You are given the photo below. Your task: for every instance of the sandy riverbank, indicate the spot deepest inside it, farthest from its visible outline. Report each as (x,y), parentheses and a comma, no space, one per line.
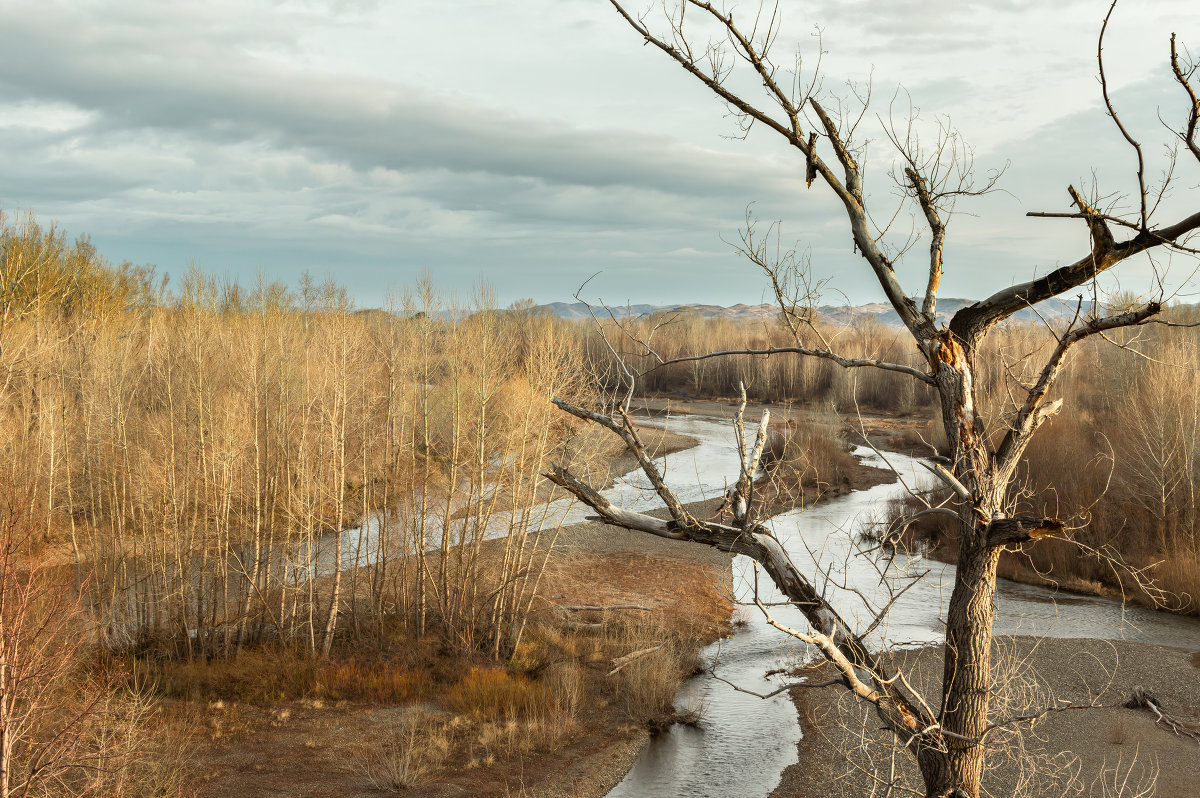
(305,748)
(595,774)
(1076,752)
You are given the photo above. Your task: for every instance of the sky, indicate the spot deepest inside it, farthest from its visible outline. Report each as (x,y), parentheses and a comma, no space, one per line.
(533,144)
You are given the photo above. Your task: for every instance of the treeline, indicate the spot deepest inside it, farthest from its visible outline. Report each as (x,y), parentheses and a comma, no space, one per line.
(778,378)
(1121,463)
(213,462)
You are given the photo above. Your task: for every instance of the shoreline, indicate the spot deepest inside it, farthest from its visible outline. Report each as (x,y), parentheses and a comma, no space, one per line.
(1074,750)
(611,764)
(906,434)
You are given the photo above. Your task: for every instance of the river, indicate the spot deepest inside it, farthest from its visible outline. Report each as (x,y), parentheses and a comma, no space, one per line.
(727,755)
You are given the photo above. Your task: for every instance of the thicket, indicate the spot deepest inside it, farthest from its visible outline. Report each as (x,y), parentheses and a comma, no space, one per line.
(1122,468)
(780,378)
(216,461)
(201,468)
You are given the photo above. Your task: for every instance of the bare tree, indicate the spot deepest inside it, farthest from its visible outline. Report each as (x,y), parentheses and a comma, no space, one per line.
(949,743)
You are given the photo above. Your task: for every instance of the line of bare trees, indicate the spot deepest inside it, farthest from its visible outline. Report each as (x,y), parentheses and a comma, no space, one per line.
(778,378)
(217,462)
(1139,397)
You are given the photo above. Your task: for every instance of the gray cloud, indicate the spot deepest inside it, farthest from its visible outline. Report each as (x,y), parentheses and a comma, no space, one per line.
(208,91)
(249,136)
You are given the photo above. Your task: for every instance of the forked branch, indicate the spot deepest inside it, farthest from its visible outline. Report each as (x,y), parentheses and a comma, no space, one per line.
(1035,410)
(830,634)
(1183,78)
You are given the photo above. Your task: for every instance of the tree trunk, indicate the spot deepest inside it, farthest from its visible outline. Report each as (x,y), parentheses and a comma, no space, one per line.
(967,674)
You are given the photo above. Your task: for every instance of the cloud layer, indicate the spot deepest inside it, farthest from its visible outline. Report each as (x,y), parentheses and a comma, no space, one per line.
(528,146)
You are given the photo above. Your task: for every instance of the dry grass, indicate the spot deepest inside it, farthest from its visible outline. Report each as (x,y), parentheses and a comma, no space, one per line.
(417,745)
(376,683)
(1180,577)
(646,687)
(495,717)
(921,441)
(497,694)
(272,674)
(805,460)
(155,750)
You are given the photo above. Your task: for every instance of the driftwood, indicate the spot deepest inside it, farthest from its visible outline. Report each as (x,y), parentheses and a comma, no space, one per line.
(621,662)
(1143,699)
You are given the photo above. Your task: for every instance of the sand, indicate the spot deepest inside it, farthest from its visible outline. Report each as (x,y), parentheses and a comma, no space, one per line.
(1073,752)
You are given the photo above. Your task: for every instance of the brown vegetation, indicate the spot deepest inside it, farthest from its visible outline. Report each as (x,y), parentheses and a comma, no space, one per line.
(1134,519)
(773,379)
(490,728)
(211,470)
(1124,470)
(204,459)
(259,508)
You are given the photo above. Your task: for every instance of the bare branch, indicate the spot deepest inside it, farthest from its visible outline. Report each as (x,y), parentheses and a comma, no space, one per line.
(628,433)
(1141,161)
(971,322)
(937,241)
(830,633)
(1189,134)
(1033,412)
(803,350)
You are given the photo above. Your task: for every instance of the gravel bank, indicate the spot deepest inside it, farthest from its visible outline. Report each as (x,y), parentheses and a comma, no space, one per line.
(1074,752)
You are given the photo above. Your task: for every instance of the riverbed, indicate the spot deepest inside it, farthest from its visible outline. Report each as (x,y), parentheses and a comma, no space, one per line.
(745,742)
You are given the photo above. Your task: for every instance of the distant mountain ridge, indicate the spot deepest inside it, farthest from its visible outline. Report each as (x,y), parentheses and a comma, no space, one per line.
(832,314)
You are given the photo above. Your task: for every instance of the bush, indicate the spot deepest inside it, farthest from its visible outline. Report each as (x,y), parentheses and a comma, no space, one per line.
(498,694)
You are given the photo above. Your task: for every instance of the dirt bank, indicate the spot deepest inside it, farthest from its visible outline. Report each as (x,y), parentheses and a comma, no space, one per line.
(315,748)
(1076,752)
(308,748)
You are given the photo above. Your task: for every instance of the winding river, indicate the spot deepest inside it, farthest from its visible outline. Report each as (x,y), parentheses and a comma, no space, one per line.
(727,755)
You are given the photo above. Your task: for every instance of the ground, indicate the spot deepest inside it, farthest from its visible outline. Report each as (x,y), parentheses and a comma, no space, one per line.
(1077,751)
(313,748)
(307,748)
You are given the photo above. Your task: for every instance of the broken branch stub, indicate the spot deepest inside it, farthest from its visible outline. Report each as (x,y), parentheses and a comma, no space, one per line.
(860,670)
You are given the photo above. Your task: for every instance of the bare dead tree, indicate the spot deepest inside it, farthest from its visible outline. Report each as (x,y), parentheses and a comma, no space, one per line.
(948,744)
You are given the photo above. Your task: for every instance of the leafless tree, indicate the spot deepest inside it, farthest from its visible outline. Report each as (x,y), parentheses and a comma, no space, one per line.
(711,44)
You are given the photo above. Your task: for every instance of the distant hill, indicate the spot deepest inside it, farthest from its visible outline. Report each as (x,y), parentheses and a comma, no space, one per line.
(578,310)
(833,314)
(842,315)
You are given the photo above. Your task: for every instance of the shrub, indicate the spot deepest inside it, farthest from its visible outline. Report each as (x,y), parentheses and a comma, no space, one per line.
(498,694)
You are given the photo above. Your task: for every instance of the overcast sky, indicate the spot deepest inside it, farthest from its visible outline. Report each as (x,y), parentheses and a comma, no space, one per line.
(532,143)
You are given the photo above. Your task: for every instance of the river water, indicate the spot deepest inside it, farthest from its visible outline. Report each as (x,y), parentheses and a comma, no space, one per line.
(746,742)
(694,475)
